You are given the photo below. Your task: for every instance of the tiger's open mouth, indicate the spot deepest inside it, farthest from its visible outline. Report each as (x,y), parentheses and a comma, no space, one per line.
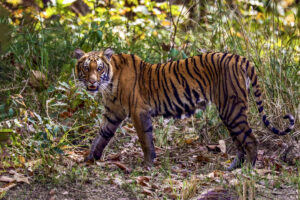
(92,88)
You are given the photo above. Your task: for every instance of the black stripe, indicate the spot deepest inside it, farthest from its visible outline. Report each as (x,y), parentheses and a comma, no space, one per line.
(234,134)
(238,116)
(236,79)
(187,91)
(254,82)
(287,130)
(204,71)
(115,62)
(257,93)
(114,122)
(247,65)
(196,70)
(202,90)
(275,130)
(213,63)
(170,66)
(206,65)
(167,97)
(196,95)
(167,113)
(176,95)
(225,87)
(107,133)
(266,122)
(252,72)
(149,129)
(135,80)
(247,134)
(157,70)
(208,78)
(238,123)
(176,73)
(165,77)
(259,103)
(187,68)
(230,79)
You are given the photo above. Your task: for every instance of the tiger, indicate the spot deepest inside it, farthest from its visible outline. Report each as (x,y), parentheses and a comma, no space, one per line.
(132,88)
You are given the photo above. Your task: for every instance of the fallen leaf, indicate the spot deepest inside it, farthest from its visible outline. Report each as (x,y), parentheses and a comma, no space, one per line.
(115,156)
(191,140)
(121,166)
(128,129)
(52,197)
(218,193)
(168,190)
(118,181)
(21,178)
(147,192)
(154,186)
(7,187)
(222,146)
(31,165)
(263,172)
(215,174)
(37,79)
(143,181)
(234,182)
(52,192)
(213,148)
(22,159)
(202,158)
(6,179)
(172,196)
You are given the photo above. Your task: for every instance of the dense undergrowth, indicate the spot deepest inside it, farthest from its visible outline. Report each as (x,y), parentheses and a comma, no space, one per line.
(47,115)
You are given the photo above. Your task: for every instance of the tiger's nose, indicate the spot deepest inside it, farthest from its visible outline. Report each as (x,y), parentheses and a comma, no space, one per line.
(92,81)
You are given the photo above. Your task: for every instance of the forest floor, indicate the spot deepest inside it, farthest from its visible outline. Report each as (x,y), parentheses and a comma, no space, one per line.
(192,170)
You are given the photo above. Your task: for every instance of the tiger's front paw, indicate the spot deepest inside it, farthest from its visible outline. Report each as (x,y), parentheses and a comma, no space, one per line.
(92,157)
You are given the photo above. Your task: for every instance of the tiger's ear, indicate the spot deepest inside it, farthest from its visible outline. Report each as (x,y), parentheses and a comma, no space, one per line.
(78,53)
(108,53)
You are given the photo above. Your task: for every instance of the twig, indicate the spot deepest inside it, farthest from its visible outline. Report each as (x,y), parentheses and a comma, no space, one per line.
(82,190)
(24,87)
(265,196)
(7,89)
(172,36)
(47,109)
(284,193)
(188,154)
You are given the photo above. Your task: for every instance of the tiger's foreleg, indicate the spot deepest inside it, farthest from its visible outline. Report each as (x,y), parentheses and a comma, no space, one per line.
(143,125)
(108,128)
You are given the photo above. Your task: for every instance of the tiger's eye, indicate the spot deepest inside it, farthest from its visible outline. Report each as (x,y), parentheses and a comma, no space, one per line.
(100,67)
(86,68)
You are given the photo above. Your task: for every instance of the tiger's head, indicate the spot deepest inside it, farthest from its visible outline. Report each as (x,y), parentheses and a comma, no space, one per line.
(93,69)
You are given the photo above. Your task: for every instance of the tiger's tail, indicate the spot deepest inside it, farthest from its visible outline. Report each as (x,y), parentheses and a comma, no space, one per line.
(250,69)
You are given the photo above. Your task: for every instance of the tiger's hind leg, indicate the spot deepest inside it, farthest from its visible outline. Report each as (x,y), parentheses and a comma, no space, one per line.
(237,123)
(240,157)
(143,125)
